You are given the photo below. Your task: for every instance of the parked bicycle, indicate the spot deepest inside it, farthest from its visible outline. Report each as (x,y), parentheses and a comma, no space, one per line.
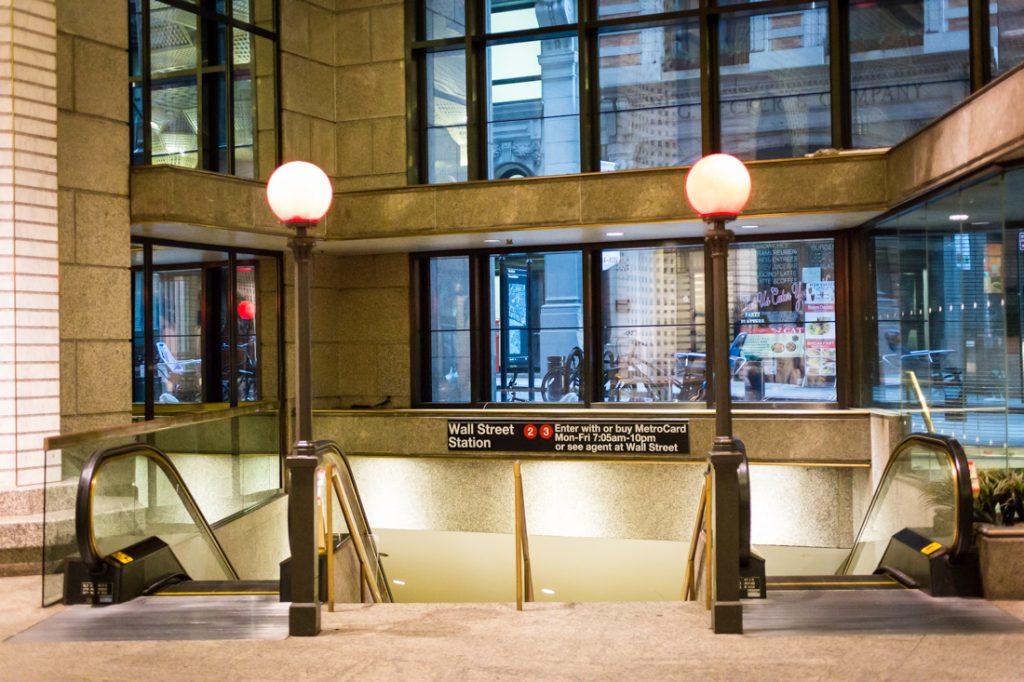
(629,377)
(563,379)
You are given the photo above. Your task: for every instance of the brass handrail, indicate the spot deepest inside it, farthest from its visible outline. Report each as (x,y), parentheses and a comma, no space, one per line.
(371,569)
(524,573)
(701,522)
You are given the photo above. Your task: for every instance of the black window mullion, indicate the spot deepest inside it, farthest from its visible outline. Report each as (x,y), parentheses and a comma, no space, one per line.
(147,112)
(416,97)
(710,115)
(480,328)
(476,94)
(229,97)
(839,72)
(981,47)
(231,320)
(588,87)
(147,332)
(593,381)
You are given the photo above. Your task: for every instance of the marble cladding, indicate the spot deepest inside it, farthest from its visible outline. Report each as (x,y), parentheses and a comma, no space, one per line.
(257,542)
(653,501)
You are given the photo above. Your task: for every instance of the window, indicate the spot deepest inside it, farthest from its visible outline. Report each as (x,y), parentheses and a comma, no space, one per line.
(202,85)
(205,322)
(531,88)
(519,332)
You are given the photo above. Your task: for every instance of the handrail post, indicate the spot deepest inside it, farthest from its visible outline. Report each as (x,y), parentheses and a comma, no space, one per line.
(920,398)
(519,536)
(329,534)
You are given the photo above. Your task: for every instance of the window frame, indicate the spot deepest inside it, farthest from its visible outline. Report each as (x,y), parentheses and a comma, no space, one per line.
(588,28)
(480,301)
(206,15)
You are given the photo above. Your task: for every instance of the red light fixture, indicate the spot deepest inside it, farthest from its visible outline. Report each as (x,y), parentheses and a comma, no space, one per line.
(247,310)
(718,187)
(299,192)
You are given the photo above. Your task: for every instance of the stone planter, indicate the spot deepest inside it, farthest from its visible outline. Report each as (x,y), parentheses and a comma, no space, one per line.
(1001,550)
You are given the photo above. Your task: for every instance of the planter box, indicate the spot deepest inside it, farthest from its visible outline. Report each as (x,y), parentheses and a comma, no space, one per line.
(1001,550)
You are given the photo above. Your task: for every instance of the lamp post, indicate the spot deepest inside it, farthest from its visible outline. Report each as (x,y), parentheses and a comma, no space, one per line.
(300,194)
(718,187)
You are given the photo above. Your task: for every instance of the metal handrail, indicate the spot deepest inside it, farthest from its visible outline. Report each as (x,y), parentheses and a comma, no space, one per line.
(84,530)
(524,572)
(963,499)
(334,461)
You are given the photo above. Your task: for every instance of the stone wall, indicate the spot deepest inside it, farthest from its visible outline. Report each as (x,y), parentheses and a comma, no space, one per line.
(94,224)
(343,89)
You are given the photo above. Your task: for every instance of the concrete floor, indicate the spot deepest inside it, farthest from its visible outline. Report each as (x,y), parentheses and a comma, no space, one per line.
(637,641)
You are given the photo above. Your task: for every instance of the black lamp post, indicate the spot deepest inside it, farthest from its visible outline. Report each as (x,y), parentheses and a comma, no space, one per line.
(300,195)
(718,187)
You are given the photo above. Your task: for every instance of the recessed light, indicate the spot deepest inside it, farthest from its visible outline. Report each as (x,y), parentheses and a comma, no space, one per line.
(981,222)
(615,234)
(750,227)
(547,590)
(492,241)
(959,217)
(398,582)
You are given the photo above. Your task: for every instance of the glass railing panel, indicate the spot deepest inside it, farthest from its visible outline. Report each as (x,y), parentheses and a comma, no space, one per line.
(230,460)
(919,490)
(133,498)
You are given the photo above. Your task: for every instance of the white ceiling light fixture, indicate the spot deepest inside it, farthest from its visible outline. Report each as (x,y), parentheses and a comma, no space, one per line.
(959,217)
(614,234)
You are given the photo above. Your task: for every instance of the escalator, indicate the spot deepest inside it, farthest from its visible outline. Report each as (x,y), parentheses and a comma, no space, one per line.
(140,532)
(916,533)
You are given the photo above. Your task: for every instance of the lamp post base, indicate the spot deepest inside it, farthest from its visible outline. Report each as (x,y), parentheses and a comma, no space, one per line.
(304,620)
(725,459)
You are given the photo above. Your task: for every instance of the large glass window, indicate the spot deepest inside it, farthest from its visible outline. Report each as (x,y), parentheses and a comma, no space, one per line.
(652,323)
(649,325)
(650,96)
(200,324)
(202,89)
(774,83)
(909,63)
(948,314)
(654,83)
(537,326)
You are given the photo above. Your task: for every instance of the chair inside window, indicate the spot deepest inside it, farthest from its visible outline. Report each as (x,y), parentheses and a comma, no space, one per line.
(182,379)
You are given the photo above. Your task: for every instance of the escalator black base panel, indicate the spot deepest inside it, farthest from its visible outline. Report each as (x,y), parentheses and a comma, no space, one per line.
(792,583)
(753,584)
(126,574)
(202,588)
(917,559)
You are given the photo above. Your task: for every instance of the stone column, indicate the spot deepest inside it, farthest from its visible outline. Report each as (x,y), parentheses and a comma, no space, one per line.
(29,318)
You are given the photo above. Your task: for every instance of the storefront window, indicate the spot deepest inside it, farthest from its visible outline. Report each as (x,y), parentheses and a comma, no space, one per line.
(948,315)
(537,327)
(783,307)
(652,316)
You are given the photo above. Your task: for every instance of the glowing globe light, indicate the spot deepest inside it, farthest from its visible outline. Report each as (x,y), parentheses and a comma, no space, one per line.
(299,192)
(718,186)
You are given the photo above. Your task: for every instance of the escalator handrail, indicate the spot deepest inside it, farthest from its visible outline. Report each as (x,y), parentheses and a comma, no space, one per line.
(84,531)
(325,449)
(963,502)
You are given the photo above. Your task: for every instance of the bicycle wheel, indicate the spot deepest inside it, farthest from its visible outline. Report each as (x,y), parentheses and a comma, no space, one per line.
(551,387)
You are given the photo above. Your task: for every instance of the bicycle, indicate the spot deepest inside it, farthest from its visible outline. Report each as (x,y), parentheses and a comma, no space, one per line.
(630,378)
(563,376)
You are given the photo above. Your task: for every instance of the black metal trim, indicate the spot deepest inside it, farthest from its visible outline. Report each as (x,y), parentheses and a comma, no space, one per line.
(149,389)
(839,73)
(980,46)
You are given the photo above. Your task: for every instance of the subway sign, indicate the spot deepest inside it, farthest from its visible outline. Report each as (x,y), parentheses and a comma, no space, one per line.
(571,436)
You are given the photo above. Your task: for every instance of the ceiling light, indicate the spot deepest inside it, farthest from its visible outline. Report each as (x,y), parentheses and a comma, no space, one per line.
(398,582)
(615,234)
(492,241)
(959,217)
(547,590)
(985,222)
(750,227)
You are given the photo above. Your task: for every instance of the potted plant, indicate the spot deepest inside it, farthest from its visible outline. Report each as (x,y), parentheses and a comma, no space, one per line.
(999,514)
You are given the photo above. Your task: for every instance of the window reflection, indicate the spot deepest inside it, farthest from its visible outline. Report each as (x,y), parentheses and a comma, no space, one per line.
(909,63)
(533,108)
(775,98)
(1007,22)
(449,330)
(447,154)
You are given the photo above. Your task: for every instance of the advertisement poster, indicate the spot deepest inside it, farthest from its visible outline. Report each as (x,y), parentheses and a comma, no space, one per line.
(772,343)
(820,349)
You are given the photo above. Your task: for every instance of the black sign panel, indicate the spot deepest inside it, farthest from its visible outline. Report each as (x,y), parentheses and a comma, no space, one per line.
(567,436)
